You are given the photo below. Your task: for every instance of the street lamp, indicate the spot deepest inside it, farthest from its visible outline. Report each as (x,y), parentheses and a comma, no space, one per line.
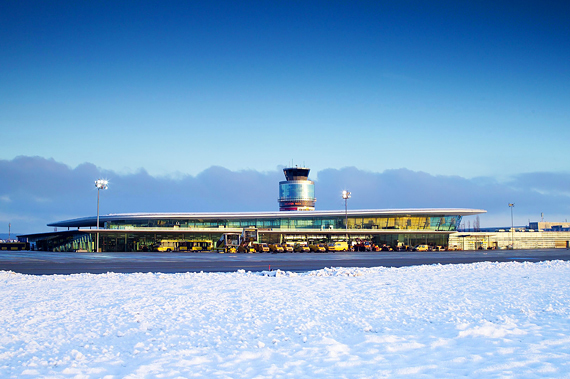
(100,184)
(512,205)
(346,196)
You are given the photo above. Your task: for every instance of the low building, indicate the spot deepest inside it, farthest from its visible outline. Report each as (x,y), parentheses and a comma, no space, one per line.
(505,239)
(142,231)
(549,226)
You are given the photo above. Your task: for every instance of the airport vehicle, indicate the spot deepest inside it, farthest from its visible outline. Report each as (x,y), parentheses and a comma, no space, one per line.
(262,247)
(14,245)
(244,242)
(246,247)
(228,249)
(276,248)
(363,246)
(167,245)
(301,248)
(287,248)
(199,245)
(338,246)
(318,248)
(421,248)
(228,242)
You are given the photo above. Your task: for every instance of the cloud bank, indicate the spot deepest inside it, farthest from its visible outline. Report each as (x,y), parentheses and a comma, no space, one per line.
(35,191)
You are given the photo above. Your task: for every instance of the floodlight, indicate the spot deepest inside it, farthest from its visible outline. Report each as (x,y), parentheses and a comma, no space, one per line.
(100,184)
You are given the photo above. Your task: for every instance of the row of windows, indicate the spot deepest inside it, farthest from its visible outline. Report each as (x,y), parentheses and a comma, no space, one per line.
(443,223)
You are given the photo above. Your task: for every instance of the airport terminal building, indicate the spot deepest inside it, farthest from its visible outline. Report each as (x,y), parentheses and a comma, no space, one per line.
(297,221)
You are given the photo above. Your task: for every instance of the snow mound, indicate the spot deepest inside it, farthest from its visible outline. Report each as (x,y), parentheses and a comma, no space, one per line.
(439,321)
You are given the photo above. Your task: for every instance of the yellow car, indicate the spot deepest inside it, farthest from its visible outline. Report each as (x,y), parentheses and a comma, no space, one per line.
(338,246)
(421,248)
(300,248)
(262,248)
(276,248)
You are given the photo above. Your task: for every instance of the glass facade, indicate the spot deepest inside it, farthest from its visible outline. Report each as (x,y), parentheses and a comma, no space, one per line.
(124,241)
(142,233)
(297,190)
(432,223)
(296,195)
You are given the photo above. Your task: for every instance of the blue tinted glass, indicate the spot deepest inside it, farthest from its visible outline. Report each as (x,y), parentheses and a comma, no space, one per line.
(297,191)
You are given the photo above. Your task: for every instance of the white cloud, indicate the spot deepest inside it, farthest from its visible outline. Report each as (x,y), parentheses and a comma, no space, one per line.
(72,193)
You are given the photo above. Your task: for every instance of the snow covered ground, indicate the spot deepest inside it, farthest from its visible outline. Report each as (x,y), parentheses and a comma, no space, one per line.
(483,320)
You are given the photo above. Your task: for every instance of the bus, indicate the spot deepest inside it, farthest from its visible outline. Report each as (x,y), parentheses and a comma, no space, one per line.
(183,245)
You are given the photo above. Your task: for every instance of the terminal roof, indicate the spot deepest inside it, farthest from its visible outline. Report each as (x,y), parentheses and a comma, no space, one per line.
(433,212)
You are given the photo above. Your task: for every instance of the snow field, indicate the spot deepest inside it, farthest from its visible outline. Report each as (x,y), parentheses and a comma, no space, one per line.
(482,320)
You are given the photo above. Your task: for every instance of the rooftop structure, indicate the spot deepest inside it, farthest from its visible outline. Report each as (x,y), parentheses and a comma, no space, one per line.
(297,192)
(554,226)
(374,219)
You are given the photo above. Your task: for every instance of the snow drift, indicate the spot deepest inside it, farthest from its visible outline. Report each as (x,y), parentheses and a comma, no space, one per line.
(477,320)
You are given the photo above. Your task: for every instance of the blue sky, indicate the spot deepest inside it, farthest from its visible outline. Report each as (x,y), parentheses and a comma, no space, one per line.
(450,89)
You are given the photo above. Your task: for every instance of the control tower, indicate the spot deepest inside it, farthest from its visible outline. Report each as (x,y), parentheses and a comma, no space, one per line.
(297,193)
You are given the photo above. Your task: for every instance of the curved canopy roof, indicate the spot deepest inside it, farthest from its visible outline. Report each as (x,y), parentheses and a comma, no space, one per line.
(432,212)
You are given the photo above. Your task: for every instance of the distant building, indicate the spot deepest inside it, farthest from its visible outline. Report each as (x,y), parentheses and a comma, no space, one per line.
(506,239)
(538,235)
(553,226)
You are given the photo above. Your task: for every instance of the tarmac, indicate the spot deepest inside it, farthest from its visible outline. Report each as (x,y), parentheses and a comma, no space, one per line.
(49,263)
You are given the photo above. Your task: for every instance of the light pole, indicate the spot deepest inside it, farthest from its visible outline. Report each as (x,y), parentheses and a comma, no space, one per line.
(346,196)
(512,205)
(99,184)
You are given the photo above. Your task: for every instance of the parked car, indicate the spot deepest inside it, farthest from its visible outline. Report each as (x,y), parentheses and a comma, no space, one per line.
(338,246)
(276,248)
(262,248)
(318,248)
(246,249)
